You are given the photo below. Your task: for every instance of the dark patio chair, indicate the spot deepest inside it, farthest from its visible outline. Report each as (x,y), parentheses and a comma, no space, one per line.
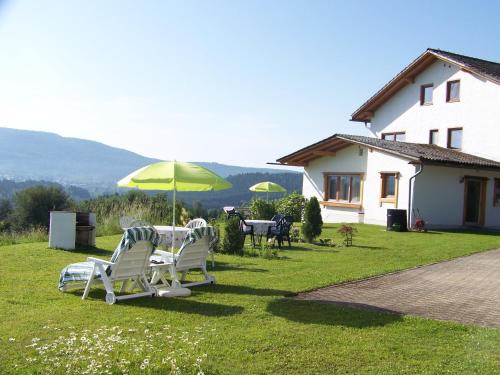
(281,231)
(245,228)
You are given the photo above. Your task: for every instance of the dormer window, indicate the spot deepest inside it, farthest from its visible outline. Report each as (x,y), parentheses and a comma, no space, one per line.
(455,138)
(453,91)
(396,136)
(426,94)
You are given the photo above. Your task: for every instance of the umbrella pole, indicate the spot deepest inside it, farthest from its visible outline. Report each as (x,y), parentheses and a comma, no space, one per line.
(173,220)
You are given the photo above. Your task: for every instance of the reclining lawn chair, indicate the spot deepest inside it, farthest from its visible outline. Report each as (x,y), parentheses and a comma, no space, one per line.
(192,255)
(129,262)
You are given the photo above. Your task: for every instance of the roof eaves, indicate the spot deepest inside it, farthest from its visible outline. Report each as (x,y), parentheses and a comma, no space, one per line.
(303,149)
(457,164)
(394,80)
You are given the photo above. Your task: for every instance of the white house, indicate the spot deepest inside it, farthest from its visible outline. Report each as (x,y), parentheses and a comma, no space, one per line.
(435,148)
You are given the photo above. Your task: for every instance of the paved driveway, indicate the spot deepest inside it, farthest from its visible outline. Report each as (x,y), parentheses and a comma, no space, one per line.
(465,290)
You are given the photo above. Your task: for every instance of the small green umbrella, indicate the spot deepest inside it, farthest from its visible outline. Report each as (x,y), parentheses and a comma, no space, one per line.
(174,176)
(267,187)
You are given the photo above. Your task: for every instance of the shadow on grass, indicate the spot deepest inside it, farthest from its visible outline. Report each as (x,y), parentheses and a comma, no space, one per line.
(179,304)
(220,266)
(240,289)
(347,315)
(89,251)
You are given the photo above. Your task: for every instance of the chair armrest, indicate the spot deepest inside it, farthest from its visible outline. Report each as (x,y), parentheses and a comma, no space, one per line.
(97,260)
(161,252)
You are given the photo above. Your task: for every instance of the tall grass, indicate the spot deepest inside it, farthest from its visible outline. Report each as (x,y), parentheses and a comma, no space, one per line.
(37,234)
(152,209)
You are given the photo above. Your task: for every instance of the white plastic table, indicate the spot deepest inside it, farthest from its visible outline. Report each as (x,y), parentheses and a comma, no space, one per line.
(166,232)
(260,228)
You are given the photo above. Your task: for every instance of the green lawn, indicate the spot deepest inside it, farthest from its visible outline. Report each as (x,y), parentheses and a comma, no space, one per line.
(245,323)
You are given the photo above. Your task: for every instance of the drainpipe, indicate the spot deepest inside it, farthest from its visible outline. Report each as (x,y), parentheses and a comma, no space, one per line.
(410,190)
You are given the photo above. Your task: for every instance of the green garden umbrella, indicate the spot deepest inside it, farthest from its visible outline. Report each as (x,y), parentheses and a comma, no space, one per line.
(175,176)
(267,187)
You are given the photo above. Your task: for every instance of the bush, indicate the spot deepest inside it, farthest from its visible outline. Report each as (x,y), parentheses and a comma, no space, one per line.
(311,226)
(261,209)
(32,206)
(292,204)
(233,240)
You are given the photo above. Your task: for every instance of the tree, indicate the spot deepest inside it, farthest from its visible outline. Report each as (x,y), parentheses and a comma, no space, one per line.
(292,204)
(311,226)
(32,205)
(233,240)
(261,209)
(5,208)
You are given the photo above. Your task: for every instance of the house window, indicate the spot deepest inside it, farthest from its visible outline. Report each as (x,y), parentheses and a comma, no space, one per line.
(455,138)
(396,136)
(343,188)
(433,137)
(496,190)
(453,91)
(389,187)
(426,94)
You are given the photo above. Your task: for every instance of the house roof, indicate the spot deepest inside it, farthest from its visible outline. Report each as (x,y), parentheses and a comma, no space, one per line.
(413,152)
(487,69)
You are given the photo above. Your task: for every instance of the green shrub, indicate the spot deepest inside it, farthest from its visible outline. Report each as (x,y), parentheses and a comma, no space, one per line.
(311,226)
(32,206)
(292,204)
(261,209)
(233,240)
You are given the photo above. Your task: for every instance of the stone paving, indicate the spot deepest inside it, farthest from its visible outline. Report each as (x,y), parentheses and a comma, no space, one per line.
(465,290)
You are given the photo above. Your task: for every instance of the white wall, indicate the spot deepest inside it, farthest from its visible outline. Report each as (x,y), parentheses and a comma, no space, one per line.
(371,163)
(477,112)
(439,194)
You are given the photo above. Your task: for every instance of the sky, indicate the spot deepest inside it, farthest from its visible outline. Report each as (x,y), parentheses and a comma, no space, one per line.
(234,82)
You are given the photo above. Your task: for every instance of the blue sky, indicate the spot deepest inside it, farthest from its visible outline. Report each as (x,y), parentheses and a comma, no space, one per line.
(236,82)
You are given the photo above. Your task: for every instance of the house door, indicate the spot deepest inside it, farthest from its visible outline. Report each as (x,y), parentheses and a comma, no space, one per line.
(475,189)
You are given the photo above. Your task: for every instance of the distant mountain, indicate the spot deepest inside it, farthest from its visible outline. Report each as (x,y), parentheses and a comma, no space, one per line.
(35,155)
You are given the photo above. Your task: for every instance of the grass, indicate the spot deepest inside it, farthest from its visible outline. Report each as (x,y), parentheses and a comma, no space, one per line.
(245,323)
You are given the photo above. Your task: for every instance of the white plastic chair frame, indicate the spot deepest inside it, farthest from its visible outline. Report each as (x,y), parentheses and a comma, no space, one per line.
(130,222)
(200,222)
(192,256)
(131,265)
(196,223)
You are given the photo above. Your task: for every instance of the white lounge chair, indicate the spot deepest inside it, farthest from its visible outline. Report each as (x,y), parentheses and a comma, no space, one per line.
(192,255)
(129,262)
(196,223)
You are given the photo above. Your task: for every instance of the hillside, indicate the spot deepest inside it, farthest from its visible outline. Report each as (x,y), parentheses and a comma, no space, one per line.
(8,188)
(34,155)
